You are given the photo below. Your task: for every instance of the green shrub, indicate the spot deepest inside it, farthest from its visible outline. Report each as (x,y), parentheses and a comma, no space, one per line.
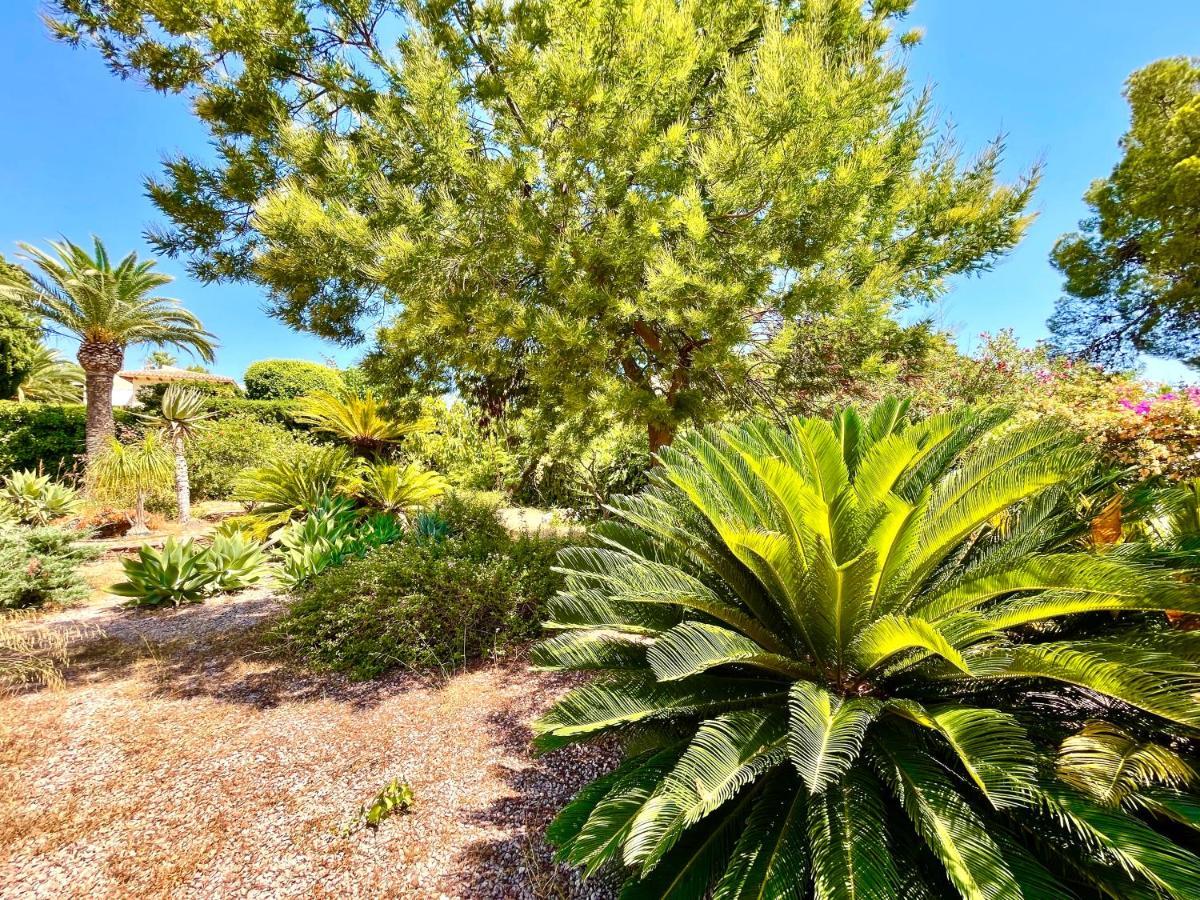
(176,574)
(35,499)
(470,457)
(286,379)
(289,487)
(424,603)
(40,566)
(269,412)
(228,446)
(45,437)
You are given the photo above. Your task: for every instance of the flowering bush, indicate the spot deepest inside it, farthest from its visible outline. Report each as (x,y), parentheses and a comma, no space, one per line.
(1150,428)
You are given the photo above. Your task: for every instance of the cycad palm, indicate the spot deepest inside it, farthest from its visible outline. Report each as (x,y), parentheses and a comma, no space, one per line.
(106,308)
(181,416)
(362,421)
(844,657)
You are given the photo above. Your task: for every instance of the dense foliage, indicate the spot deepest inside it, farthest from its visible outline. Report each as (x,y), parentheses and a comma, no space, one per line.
(426,602)
(622,192)
(287,379)
(19,340)
(1133,270)
(45,437)
(864,658)
(40,566)
(231,444)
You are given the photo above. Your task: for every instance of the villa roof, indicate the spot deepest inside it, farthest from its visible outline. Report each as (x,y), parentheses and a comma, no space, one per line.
(170,373)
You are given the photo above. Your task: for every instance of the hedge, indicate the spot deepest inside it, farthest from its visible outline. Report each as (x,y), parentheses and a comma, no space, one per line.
(286,379)
(269,412)
(46,436)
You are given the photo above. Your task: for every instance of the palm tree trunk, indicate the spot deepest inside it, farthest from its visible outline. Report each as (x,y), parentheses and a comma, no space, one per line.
(101,361)
(183,487)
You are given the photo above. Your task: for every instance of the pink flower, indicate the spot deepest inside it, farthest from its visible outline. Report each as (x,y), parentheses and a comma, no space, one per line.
(1142,408)
(1043,376)
(1127,403)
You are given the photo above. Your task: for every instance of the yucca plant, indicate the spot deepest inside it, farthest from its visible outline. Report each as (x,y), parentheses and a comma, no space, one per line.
(844,657)
(362,421)
(181,417)
(291,487)
(178,573)
(35,499)
(236,559)
(399,489)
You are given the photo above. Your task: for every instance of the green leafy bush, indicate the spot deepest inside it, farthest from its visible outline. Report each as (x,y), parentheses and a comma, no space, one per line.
(424,603)
(862,658)
(45,437)
(150,396)
(40,566)
(470,457)
(286,379)
(35,499)
(178,573)
(228,446)
(281,413)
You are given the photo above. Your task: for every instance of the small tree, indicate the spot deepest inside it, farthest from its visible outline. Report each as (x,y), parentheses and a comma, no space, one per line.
(181,417)
(136,469)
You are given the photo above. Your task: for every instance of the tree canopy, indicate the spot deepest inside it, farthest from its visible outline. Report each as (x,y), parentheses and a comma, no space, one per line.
(19,339)
(626,193)
(1133,269)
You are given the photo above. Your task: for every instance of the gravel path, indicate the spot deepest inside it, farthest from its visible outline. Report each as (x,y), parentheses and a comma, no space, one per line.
(182,762)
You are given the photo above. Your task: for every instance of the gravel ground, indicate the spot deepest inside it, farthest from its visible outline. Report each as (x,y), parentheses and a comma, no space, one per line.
(182,762)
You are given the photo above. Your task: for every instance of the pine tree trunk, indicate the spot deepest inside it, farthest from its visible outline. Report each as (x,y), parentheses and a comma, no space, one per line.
(101,361)
(183,487)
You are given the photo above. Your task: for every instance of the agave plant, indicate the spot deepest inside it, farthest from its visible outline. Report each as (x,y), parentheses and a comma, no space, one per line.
(323,538)
(236,560)
(399,489)
(289,488)
(362,421)
(178,573)
(844,658)
(35,500)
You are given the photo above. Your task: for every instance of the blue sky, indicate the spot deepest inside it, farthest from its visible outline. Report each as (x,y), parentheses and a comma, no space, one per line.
(1046,73)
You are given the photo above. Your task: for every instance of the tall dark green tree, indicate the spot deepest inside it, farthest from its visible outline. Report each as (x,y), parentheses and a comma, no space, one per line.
(1133,270)
(626,194)
(19,339)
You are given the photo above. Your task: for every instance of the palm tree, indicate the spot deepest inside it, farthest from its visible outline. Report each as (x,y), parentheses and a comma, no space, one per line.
(137,469)
(106,308)
(860,659)
(181,416)
(362,421)
(51,379)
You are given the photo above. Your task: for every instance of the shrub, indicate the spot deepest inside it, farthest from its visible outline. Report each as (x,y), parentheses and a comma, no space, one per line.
(461,589)
(281,413)
(399,489)
(287,488)
(40,566)
(45,437)
(228,446)
(286,379)
(35,499)
(178,573)
(470,457)
(150,396)
(848,659)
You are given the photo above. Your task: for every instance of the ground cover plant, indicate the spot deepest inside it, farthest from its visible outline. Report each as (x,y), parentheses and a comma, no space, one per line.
(40,566)
(456,589)
(866,658)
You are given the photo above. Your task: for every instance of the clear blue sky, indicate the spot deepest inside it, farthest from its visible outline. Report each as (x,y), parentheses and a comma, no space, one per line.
(1047,73)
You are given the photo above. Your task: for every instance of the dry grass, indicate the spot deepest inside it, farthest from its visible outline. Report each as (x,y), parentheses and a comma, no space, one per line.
(180,761)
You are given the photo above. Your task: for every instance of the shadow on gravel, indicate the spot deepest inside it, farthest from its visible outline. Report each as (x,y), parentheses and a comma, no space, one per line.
(521,865)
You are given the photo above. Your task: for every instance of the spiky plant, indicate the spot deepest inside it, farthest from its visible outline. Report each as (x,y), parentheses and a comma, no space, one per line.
(178,573)
(844,656)
(400,489)
(181,417)
(106,307)
(236,559)
(35,499)
(290,487)
(51,379)
(132,469)
(362,421)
